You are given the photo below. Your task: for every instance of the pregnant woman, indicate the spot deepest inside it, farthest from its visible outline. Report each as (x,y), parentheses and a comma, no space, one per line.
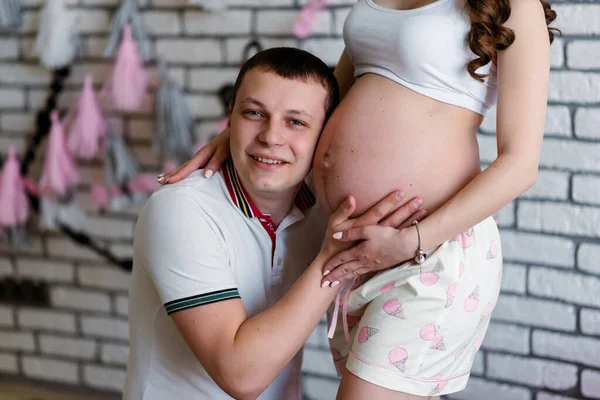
(417,77)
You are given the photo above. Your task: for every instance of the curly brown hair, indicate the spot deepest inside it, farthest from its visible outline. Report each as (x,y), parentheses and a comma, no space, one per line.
(487,35)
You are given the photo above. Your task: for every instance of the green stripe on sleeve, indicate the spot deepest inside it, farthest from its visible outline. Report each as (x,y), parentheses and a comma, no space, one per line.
(201,299)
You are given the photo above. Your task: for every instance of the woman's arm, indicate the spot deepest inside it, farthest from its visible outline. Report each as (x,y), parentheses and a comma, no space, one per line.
(523,74)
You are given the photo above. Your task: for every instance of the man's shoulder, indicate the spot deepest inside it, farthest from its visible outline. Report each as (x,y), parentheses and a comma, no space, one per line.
(196,189)
(188,200)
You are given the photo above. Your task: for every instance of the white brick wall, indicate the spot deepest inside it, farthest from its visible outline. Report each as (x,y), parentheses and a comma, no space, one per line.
(544,341)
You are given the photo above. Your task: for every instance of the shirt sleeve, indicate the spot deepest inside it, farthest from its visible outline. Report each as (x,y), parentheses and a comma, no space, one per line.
(182,249)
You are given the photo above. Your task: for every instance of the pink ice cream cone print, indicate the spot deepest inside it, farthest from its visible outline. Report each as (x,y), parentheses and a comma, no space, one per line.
(438,343)
(464,239)
(472,302)
(430,333)
(353,320)
(450,293)
(394,308)
(430,278)
(461,268)
(485,312)
(476,348)
(387,287)
(338,361)
(493,250)
(440,386)
(365,333)
(398,358)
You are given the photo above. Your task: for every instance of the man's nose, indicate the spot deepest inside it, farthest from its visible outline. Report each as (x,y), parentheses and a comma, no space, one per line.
(272,134)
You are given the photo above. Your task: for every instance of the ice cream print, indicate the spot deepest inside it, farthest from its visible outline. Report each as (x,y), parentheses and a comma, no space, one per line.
(492,251)
(431,334)
(353,320)
(398,358)
(450,293)
(486,311)
(338,360)
(365,333)
(440,386)
(387,287)
(464,239)
(472,302)
(430,278)
(432,344)
(394,308)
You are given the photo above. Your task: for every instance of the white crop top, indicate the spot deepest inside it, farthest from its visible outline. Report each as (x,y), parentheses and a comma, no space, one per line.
(424,49)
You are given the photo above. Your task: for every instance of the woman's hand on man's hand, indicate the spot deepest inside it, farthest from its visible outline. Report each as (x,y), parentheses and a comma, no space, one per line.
(370,242)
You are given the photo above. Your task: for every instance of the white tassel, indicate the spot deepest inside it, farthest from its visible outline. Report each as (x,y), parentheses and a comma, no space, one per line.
(57,40)
(210,5)
(10,13)
(128,14)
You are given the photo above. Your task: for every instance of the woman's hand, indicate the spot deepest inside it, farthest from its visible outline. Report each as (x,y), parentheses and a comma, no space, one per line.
(210,157)
(387,213)
(380,247)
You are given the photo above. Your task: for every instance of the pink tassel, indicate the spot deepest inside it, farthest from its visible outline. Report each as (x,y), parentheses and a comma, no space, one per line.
(305,22)
(143,183)
(87,126)
(126,87)
(99,195)
(13,198)
(169,166)
(59,170)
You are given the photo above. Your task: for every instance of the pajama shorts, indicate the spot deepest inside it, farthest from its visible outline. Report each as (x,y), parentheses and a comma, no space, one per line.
(417,328)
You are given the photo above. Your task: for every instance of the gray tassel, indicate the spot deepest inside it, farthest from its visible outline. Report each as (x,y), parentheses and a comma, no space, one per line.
(10,13)
(127,14)
(63,210)
(71,215)
(173,120)
(119,168)
(48,214)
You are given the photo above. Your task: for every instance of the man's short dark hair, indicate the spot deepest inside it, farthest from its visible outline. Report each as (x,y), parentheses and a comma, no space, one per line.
(296,64)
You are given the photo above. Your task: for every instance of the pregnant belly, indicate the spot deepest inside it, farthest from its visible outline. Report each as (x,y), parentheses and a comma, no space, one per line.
(384,137)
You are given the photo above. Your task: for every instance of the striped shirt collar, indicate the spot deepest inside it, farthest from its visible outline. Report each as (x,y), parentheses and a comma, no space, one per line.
(305,199)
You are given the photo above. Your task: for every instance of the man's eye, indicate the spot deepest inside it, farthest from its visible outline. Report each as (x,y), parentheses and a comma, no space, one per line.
(296,122)
(252,113)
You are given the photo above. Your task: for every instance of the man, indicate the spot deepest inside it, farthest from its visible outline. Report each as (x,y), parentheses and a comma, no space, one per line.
(221,298)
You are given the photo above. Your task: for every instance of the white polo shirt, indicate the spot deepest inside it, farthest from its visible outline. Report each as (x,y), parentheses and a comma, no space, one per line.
(197,242)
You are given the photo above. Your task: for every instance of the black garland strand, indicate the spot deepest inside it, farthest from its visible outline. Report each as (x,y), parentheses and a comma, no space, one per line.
(42,129)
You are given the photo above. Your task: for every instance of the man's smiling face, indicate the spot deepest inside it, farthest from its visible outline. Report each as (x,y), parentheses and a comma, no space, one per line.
(275,124)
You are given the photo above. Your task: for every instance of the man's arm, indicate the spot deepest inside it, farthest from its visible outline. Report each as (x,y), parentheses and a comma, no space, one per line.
(243,356)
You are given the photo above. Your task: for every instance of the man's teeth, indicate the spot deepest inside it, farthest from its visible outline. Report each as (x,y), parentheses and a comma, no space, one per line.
(267,160)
